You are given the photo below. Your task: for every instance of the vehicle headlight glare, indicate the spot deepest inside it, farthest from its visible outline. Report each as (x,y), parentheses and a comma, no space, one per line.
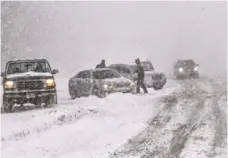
(105,86)
(181,69)
(50,82)
(9,84)
(196,68)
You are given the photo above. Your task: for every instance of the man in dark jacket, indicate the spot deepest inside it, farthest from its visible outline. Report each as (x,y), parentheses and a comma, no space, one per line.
(101,65)
(140,79)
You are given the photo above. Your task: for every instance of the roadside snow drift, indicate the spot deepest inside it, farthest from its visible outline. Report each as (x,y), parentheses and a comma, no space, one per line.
(82,128)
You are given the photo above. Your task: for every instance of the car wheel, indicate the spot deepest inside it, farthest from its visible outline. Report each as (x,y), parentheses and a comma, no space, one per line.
(99,93)
(149,86)
(157,88)
(73,94)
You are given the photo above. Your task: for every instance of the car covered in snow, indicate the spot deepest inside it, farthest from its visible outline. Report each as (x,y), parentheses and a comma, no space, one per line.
(183,69)
(99,82)
(125,70)
(152,79)
(28,81)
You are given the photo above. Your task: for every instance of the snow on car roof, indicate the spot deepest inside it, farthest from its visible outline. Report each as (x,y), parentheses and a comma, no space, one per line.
(27,59)
(126,65)
(102,69)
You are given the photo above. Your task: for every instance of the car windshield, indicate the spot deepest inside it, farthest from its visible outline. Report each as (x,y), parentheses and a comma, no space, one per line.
(105,74)
(27,66)
(186,63)
(121,69)
(147,66)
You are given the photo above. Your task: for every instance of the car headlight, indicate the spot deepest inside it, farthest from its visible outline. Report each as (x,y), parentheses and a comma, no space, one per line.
(9,84)
(132,84)
(50,82)
(181,69)
(105,86)
(196,69)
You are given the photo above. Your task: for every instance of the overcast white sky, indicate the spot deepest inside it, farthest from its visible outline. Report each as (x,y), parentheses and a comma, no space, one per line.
(77,35)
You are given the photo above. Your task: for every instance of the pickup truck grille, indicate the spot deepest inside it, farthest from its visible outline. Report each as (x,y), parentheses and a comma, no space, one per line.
(29,85)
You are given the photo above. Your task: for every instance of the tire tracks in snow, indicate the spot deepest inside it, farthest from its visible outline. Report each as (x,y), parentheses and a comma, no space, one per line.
(220,122)
(166,135)
(157,122)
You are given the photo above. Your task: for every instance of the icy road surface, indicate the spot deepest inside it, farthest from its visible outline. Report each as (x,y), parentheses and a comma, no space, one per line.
(185,119)
(192,124)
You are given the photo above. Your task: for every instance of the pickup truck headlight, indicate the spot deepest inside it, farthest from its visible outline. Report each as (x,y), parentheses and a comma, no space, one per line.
(196,69)
(181,69)
(50,82)
(9,84)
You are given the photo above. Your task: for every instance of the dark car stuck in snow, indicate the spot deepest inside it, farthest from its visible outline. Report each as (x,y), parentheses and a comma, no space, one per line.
(99,82)
(183,69)
(28,81)
(125,70)
(152,79)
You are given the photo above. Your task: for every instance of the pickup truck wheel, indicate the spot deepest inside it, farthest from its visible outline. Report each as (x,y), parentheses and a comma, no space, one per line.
(51,100)
(7,106)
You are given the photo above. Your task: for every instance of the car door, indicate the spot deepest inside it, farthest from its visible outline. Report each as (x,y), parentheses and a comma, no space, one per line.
(88,83)
(82,80)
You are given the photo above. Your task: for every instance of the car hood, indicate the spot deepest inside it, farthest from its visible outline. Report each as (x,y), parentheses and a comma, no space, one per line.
(29,75)
(152,73)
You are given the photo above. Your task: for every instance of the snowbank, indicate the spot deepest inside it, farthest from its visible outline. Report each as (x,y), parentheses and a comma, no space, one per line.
(56,132)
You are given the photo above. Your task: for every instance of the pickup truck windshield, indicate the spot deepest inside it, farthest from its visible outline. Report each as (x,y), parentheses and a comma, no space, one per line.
(27,66)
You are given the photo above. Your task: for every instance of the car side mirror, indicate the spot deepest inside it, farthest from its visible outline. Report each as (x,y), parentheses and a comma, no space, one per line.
(55,71)
(3,74)
(197,64)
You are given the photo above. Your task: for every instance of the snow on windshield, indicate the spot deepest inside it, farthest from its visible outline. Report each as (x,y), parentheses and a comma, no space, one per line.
(121,69)
(147,66)
(186,63)
(22,67)
(105,74)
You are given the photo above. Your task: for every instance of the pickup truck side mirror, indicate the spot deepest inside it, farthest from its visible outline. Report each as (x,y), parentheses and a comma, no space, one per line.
(3,74)
(55,71)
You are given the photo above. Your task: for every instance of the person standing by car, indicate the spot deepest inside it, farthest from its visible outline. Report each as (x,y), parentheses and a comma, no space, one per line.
(101,65)
(140,78)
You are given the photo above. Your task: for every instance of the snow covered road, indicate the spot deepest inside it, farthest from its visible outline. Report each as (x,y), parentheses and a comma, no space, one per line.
(193,123)
(85,127)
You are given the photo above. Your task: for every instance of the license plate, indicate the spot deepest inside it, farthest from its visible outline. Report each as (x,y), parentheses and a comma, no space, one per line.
(31,95)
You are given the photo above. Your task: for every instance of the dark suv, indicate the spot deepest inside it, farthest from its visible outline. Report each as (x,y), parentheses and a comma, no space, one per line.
(28,81)
(186,69)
